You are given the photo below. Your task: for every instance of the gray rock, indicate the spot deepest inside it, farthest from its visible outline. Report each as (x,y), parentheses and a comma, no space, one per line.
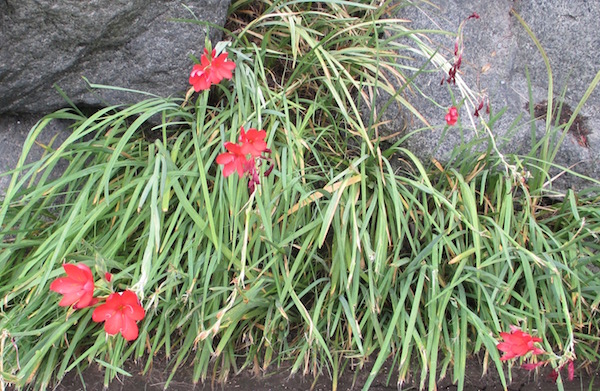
(13,133)
(132,44)
(497,51)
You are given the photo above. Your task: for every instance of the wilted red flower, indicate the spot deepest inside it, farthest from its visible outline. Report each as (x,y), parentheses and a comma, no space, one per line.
(253,142)
(518,343)
(452,116)
(571,370)
(77,288)
(458,50)
(119,314)
(453,70)
(532,366)
(211,70)
(480,107)
(234,160)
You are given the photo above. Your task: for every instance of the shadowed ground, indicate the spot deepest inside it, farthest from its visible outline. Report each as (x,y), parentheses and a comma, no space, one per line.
(155,380)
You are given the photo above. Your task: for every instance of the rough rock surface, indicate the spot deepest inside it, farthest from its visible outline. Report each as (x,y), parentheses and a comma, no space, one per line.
(497,51)
(13,133)
(132,44)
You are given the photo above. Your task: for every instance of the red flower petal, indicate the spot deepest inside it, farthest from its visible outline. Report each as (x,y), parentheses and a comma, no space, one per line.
(129,329)
(452,116)
(103,312)
(221,68)
(70,298)
(120,313)
(199,78)
(79,272)
(253,141)
(225,158)
(232,160)
(65,285)
(77,288)
(131,306)
(206,58)
(86,300)
(114,324)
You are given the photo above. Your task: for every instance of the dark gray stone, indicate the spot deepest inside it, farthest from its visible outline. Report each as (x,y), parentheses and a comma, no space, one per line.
(497,50)
(132,44)
(13,133)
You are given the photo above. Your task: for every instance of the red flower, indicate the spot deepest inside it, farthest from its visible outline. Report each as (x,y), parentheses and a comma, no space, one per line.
(220,68)
(253,142)
(234,160)
(452,116)
(246,156)
(518,343)
(77,288)
(120,313)
(211,70)
(199,78)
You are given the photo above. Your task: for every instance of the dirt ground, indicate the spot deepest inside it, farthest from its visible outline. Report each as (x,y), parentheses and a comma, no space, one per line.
(522,380)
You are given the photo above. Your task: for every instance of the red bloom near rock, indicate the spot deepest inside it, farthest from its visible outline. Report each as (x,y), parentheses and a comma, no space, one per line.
(119,314)
(452,116)
(211,70)
(77,288)
(517,344)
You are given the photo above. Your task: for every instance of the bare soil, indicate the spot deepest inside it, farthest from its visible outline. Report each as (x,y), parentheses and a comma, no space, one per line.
(155,380)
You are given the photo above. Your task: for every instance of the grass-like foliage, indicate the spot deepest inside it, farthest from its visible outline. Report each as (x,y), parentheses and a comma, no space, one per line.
(351,249)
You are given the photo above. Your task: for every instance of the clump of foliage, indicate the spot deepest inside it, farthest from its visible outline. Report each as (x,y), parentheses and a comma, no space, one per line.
(339,254)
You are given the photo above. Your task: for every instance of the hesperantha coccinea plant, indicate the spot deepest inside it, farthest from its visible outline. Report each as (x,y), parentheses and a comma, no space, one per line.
(262,222)
(121,310)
